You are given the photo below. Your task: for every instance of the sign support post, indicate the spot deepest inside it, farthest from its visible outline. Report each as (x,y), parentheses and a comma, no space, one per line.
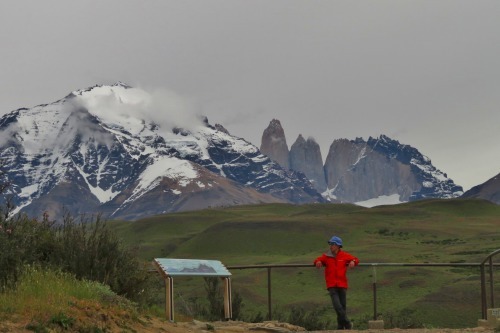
(169,298)
(228,309)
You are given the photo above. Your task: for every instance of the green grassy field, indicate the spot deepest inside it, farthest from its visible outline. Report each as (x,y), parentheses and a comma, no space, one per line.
(431,231)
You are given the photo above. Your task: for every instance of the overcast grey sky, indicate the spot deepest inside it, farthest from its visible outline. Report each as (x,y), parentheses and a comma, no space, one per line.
(426,72)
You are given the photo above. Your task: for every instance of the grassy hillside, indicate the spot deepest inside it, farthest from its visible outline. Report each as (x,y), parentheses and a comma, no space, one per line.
(52,301)
(441,231)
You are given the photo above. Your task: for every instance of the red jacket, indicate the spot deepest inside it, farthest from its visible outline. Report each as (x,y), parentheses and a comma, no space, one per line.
(336,268)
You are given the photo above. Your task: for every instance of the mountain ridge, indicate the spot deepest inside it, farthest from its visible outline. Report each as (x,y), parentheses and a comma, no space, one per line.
(489,190)
(112,146)
(128,153)
(378,170)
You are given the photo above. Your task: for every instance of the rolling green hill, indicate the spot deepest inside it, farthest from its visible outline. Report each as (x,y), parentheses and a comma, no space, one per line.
(431,231)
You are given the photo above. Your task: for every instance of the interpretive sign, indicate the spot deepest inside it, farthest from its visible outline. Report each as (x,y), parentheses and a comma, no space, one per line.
(170,268)
(192,267)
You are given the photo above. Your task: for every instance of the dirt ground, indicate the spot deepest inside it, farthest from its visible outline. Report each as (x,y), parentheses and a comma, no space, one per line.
(276,327)
(153,325)
(273,327)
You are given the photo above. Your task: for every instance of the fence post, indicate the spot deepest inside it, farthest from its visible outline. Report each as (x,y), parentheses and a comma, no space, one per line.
(374,292)
(492,290)
(484,306)
(375,324)
(269,314)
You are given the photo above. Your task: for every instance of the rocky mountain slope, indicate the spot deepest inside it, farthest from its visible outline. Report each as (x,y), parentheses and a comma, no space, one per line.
(273,144)
(124,152)
(305,156)
(489,190)
(379,170)
(358,170)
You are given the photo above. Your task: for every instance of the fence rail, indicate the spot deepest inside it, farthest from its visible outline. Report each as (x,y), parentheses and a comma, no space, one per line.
(484,302)
(480,266)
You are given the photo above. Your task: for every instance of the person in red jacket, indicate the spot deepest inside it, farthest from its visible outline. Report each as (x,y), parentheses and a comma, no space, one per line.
(336,263)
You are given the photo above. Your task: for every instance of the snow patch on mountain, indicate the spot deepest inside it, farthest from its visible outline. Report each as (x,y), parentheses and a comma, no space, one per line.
(362,154)
(392,199)
(28,191)
(163,166)
(101,194)
(430,170)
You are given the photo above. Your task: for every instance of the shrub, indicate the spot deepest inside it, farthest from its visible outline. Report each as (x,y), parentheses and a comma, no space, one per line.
(237,306)
(62,320)
(215,298)
(258,318)
(89,249)
(213,308)
(310,320)
(23,241)
(404,319)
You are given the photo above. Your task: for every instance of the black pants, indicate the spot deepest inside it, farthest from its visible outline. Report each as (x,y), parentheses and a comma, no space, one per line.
(339,302)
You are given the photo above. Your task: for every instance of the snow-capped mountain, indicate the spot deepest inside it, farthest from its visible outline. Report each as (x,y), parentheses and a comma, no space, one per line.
(129,153)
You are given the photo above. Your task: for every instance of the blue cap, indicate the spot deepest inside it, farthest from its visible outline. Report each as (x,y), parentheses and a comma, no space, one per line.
(335,240)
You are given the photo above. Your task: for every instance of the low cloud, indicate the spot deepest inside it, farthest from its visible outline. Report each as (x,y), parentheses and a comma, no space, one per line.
(79,123)
(170,110)
(136,108)
(7,134)
(132,109)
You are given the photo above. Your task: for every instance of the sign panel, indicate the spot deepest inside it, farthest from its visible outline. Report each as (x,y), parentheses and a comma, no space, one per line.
(192,267)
